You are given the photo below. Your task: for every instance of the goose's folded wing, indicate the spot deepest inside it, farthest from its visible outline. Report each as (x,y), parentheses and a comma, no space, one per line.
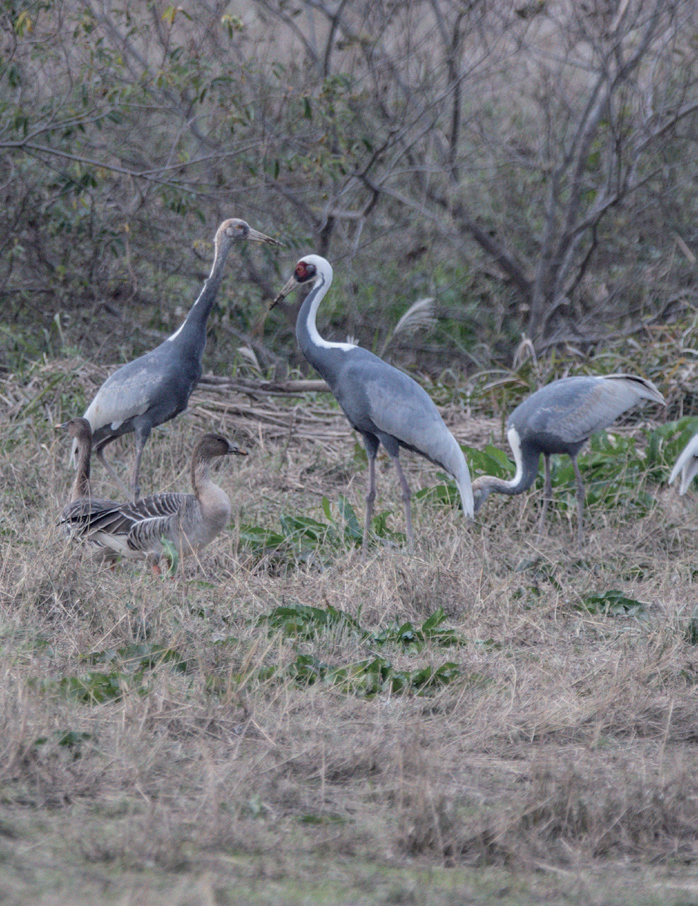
(148,534)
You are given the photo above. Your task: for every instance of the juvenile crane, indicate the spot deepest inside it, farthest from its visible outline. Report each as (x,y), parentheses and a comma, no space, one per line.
(156,387)
(189,522)
(686,465)
(383,404)
(560,418)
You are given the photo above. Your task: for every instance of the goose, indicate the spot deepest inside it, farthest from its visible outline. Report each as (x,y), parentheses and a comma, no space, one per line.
(151,526)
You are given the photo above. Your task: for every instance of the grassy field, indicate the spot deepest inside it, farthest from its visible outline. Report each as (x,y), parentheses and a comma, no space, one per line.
(495,718)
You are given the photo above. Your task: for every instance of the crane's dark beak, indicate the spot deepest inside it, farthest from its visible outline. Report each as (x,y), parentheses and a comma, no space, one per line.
(256,236)
(289,287)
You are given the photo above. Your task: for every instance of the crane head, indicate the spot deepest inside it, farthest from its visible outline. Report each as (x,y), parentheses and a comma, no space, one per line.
(307,270)
(235,230)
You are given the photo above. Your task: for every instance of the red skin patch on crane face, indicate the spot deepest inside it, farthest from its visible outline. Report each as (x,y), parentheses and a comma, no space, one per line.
(304,271)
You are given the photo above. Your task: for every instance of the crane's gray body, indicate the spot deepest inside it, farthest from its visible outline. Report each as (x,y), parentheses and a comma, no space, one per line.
(153,388)
(686,465)
(383,404)
(560,418)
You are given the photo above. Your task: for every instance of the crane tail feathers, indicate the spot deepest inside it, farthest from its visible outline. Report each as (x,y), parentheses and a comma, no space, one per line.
(453,460)
(466,494)
(459,470)
(643,387)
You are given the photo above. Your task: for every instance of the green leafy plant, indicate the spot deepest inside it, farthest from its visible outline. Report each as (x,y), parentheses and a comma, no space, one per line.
(301,621)
(613,603)
(304,538)
(665,443)
(132,662)
(369,676)
(366,678)
(415,638)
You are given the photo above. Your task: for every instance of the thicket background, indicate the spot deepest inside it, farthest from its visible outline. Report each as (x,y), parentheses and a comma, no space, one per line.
(532,166)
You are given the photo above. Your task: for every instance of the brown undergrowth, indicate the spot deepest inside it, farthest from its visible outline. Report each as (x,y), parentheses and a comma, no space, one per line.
(203,721)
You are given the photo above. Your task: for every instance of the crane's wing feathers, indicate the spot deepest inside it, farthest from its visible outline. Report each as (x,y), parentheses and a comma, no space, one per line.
(686,465)
(380,400)
(153,380)
(575,408)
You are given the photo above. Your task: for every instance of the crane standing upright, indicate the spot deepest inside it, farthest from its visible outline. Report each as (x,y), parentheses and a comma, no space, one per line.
(156,387)
(383,404)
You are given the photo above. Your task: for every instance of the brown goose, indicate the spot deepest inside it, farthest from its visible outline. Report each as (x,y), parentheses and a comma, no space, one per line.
(145,528)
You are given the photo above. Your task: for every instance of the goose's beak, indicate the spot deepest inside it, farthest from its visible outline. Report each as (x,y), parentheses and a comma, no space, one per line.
(256,236)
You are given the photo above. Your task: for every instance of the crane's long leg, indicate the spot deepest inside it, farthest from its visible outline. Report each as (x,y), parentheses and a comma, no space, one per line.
(547,492)
(141,440)
(99,452)
(406,496)
(370,496)
(580,503)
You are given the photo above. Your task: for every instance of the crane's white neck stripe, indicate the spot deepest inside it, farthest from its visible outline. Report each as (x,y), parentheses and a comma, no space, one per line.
(177,332)
(515,444)
(315,337)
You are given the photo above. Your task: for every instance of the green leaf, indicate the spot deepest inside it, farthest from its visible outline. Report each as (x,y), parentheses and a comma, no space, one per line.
(352,528)
(489,461)
(612,603)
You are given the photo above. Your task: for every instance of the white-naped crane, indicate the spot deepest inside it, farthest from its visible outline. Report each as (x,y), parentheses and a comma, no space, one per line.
(383,404)
(156,386)
(144,528)
(686,465)
(560,418)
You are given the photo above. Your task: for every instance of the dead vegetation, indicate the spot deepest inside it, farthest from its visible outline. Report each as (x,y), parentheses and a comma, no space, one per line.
(290,723)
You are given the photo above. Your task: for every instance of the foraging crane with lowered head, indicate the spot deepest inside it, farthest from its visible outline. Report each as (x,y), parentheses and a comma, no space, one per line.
(156,387)
(560,418)
(383,404)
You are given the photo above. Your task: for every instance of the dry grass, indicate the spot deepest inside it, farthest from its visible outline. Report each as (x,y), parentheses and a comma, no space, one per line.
(558,766)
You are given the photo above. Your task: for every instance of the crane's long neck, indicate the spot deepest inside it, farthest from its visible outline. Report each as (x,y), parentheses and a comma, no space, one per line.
(81,485)
(526,458)
(192,333)
(318,351)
